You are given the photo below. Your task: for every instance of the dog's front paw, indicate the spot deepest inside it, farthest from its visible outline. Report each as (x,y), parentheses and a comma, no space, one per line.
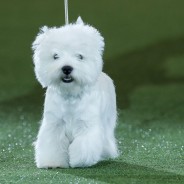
(83,154)
(52,165)
(46,160)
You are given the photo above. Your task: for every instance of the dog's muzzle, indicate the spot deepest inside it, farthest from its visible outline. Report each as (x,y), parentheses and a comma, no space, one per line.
(67,70)
(67,79)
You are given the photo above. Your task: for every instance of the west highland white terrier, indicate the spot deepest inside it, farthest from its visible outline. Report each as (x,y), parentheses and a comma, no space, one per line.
(79,116)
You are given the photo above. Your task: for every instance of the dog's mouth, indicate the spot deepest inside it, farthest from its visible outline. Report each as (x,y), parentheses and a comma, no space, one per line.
(67,79)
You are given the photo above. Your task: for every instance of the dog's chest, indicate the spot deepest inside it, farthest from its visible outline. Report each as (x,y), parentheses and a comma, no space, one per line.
(74,115)
(70,110)
(73,118)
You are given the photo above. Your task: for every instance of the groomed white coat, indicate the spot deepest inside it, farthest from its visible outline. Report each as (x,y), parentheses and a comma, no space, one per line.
(79,118)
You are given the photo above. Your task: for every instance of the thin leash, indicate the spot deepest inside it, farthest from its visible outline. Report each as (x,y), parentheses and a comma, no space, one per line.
(66,12)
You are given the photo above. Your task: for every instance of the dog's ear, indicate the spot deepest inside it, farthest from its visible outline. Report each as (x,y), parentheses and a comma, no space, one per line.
(40,37)
(79,21)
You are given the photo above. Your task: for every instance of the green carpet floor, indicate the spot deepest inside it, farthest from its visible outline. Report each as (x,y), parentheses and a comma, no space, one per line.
(144,55)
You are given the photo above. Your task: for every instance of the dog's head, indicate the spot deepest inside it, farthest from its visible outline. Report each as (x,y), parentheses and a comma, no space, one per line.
(69,55)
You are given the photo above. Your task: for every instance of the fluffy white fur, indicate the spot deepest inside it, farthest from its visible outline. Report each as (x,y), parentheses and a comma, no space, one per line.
(79,117)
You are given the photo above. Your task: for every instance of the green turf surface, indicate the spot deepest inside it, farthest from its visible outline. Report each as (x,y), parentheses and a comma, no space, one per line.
(145,57)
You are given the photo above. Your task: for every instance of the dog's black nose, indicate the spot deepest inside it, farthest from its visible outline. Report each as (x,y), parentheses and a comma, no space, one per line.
(67,69)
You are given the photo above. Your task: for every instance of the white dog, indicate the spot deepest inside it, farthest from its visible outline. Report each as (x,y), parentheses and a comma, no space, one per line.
(79,116)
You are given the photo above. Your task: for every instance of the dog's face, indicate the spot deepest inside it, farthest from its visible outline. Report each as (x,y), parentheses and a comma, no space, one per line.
(69,55)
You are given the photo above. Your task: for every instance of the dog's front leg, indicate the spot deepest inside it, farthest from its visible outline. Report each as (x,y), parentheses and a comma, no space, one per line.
(86,149)
(51,146)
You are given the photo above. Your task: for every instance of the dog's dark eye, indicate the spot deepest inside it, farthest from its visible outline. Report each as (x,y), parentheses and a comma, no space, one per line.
(55,56)
(80,56)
